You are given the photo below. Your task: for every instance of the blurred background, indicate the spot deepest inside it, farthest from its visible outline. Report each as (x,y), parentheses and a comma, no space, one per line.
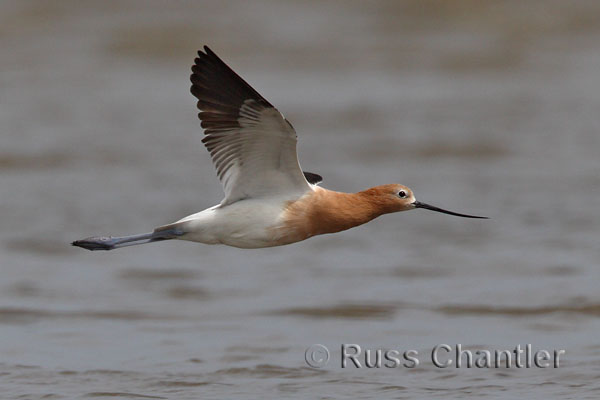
(483,107)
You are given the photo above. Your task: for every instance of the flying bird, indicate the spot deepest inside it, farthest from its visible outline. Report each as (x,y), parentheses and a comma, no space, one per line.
(269,201)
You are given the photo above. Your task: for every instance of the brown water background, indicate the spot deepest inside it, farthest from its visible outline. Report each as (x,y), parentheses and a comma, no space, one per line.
(484,107)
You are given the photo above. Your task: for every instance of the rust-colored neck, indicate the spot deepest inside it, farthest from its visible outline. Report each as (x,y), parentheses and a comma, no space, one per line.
(335,211)
(326,211)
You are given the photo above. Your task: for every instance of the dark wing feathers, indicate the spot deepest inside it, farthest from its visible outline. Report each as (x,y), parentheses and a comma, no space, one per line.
(220,92)
(256,158)
(312,178)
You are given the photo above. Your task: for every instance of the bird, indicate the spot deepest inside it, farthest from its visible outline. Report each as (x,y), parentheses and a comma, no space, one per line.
(269,200)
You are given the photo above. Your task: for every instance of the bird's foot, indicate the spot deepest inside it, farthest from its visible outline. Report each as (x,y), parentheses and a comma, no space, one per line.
(96,243)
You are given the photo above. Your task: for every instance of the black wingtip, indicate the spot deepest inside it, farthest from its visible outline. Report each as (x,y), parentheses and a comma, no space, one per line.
(312,178)
(220,91)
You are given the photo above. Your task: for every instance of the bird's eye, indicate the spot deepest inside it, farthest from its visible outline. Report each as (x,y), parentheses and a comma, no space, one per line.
(402,194)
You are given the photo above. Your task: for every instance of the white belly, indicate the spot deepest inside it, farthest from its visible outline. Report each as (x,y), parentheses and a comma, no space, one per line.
(245,224)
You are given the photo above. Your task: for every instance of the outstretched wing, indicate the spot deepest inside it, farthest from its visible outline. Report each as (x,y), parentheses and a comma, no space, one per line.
(252,145)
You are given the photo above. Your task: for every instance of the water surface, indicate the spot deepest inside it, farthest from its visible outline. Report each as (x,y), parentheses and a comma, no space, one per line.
(480,107)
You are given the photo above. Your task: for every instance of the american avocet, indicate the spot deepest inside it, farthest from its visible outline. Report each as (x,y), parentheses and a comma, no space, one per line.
(269,200)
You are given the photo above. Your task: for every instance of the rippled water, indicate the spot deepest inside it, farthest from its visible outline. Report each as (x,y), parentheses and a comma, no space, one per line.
(481,107)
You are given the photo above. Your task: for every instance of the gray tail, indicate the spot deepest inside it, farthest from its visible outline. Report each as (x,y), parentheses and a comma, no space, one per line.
(115,242)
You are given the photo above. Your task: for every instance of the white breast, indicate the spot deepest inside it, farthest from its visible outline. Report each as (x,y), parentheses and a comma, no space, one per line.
(246,224)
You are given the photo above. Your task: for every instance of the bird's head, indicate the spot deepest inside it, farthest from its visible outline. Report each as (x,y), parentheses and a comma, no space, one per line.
(395,197)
